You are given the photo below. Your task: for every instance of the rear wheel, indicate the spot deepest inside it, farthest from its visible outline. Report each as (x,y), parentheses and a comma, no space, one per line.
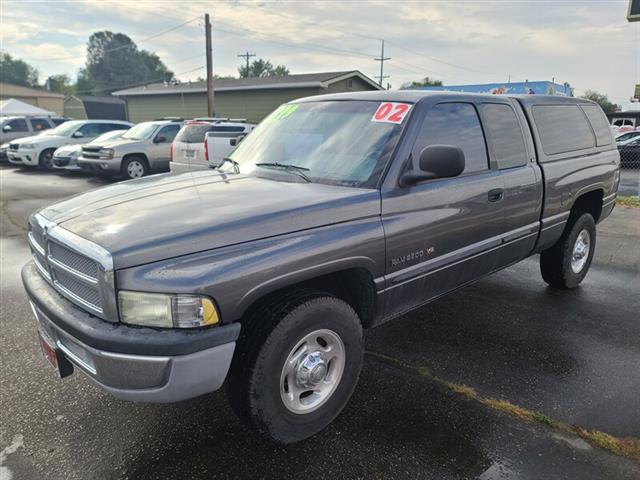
(134,167)
(45,161)
(296,365)
(566,263)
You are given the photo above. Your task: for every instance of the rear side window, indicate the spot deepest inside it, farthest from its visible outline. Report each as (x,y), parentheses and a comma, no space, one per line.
(506,137)
(39,124)
(599,124)
(562,128)
(455,124)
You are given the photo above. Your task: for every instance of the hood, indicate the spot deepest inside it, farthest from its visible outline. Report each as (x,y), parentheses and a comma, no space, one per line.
(115,143)
(163,216)
(68,150)
(38,139)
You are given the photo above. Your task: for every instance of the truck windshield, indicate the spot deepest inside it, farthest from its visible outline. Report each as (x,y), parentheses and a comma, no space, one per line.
(142,131)
(333,142)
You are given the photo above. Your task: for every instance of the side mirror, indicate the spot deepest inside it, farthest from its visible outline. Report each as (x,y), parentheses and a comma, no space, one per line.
(160,139)
(7,128)
(436,161)
(235,141)
(77,134)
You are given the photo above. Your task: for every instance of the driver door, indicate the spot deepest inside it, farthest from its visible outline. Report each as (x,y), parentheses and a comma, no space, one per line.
(443,233)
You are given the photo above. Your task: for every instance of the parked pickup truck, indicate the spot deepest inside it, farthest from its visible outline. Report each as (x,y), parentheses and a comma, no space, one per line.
(337,213)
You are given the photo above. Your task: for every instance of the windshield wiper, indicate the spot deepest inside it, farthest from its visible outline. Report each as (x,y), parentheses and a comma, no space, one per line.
(290,168)
(236,165)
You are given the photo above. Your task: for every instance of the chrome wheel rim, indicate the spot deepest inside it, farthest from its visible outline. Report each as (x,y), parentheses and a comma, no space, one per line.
(312,371)
(580,251)
(135,169)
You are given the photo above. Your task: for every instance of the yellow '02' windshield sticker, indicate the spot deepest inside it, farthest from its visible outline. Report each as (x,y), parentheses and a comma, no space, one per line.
(282,112)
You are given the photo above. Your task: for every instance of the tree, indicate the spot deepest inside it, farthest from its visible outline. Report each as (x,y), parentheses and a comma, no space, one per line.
(262,68)
(17,72)
(602,100)
(425,82)
(114,62)
(60,83)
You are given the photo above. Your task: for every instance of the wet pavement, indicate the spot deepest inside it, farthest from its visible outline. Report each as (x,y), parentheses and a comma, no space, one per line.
(572,356)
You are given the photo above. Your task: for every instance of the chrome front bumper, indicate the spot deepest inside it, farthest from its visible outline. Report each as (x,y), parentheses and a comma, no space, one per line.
(143,364)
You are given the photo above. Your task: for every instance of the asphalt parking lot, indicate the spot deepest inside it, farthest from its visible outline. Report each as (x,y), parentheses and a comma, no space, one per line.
(503,379)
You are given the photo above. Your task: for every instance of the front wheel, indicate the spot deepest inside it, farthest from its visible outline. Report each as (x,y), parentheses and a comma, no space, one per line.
(45,161)
(296,365)
(566,263)
(134,167)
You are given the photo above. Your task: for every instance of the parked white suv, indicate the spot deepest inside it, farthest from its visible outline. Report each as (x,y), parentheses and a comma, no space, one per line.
(38,150)
(191,150)
(14,127)
(143,149)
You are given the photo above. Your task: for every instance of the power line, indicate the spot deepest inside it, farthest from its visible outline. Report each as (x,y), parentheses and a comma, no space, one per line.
(156,35)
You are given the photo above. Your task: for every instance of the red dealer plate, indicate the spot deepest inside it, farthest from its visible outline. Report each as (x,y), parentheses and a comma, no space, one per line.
(48,351)
(391,112)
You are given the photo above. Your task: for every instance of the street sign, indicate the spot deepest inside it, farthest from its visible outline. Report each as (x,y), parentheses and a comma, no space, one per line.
(634,11)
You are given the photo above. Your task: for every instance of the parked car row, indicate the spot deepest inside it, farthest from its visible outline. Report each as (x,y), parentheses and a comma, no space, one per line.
(117,148)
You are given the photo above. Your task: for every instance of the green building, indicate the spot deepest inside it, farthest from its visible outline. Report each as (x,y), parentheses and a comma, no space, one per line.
(250,98)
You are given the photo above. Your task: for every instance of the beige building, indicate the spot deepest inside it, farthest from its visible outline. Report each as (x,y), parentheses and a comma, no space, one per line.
(50,101)
(250,98)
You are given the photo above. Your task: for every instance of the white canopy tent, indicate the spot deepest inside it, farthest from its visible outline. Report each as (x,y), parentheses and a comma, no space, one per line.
(16,107)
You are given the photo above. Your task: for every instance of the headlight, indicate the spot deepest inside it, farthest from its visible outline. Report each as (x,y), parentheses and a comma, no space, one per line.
(28,145)
(106,152)
(170,311)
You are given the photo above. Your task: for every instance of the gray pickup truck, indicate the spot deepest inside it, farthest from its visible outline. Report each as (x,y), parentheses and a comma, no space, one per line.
(337,213)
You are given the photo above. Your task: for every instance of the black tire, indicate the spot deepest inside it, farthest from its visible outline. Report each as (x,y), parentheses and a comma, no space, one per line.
(556,262)
(268,337)
(127,170)
(45,160)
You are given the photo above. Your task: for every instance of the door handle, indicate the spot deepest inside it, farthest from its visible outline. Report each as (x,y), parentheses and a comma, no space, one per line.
(496,194)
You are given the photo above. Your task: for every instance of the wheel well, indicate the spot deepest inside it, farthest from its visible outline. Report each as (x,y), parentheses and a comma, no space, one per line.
(141,156)
(355,286)
(590,202)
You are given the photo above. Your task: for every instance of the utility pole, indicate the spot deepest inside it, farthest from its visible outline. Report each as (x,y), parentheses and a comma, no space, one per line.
(207,33)
(246,56)
(382,59)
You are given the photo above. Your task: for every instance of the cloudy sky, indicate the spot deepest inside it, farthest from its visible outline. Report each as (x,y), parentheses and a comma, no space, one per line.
(586,43)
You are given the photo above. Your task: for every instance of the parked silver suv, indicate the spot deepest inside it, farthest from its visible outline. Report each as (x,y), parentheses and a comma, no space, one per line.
(143,149)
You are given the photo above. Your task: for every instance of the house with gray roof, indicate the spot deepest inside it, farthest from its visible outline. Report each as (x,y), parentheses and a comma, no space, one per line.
(251,98)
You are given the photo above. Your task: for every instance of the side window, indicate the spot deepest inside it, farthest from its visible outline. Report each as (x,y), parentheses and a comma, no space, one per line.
(599,124)
(107,127)
(91,129)
(18,125)
(59,121)
(169,132)
(562,128)
(455,124)
(505,134)
(39,124)
(227,129)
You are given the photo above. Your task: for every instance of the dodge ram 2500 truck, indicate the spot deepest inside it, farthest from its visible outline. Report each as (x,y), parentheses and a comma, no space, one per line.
(335,214)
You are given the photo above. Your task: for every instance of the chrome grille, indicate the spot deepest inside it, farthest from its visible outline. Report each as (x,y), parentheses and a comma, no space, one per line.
(73,260)
(83,291)
(76,276)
